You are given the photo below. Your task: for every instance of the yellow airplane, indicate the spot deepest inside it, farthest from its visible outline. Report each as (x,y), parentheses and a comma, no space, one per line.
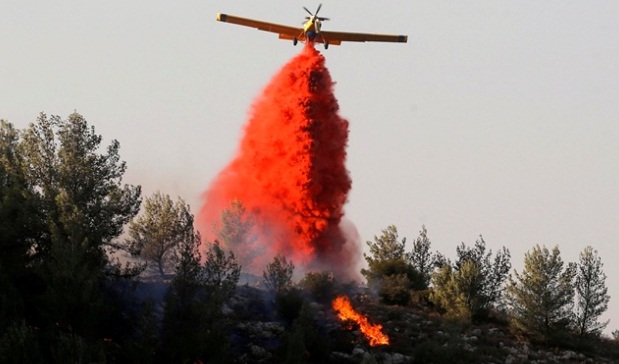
(311,31)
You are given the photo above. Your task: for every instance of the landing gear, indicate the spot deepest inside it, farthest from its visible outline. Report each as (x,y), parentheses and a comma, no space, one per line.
(326,45)
(295,41)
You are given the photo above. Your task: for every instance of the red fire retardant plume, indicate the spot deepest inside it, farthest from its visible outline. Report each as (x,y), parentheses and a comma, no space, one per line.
(290,172)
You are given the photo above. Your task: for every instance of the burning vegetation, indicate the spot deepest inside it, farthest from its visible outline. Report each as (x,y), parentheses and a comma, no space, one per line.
(372,332)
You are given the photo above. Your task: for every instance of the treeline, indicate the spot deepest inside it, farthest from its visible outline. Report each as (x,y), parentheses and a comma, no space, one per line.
(65,297)
(62,208)
(549,301)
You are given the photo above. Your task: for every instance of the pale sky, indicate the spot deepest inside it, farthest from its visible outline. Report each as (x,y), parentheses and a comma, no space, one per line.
(496,118)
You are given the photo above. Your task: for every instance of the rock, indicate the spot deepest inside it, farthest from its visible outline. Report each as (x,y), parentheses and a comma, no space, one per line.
(397,358)
(368,359)
(258,351)
(384,358)
(511,351)
(226,310)
(339,356)
(476,332)
(358,352)
(274,327)
(568,355)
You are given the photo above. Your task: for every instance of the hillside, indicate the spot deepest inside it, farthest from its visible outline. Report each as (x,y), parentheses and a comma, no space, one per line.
(261,326)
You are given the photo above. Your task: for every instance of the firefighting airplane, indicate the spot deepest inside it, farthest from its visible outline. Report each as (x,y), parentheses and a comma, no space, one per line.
(311,31)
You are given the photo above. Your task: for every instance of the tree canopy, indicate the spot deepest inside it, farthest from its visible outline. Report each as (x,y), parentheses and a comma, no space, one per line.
(541,296)
(158,233)
(591,294)
(472,285)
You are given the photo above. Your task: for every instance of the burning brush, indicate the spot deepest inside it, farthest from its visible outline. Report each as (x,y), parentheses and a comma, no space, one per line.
(372,332)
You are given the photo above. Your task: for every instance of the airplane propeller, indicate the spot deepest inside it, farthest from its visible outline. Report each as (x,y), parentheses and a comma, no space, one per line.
(315,15)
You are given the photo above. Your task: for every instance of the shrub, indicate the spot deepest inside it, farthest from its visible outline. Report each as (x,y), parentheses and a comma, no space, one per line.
(395,289)
(278,274)
(319,285)
(289,304)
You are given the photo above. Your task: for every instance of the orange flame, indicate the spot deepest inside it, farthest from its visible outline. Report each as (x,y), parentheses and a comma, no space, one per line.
(373,333)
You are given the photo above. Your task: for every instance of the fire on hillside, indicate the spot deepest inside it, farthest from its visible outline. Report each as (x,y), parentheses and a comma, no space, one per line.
(372,332)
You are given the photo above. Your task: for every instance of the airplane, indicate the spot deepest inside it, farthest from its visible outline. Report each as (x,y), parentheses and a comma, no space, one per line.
(311,30)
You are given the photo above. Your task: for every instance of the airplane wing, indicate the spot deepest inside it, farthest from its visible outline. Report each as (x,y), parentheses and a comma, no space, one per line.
(284,31)
(336,38)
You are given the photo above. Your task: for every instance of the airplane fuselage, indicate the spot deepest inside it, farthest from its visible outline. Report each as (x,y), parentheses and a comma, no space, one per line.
(311,28)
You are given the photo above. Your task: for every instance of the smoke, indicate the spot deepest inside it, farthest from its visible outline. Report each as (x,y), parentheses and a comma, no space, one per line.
(290,173)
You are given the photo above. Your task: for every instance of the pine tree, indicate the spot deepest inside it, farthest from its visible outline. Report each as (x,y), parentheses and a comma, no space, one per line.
(62,207)
(278,273)
(422,260)
(236,234)
(541,297)
(472,286)
(220,275)
(445,293)
(86,207)
(591,294)
(388,259)
(194,328)
(159,232)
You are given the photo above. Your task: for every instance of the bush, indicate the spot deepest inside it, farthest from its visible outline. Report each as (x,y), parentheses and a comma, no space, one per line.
(305,343)
(320,285)
(472,286)
(278,274)
(395,289)
(289,304)
(19,344)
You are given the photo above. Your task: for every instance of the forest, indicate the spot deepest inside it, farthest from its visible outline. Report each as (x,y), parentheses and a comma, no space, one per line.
(66,296)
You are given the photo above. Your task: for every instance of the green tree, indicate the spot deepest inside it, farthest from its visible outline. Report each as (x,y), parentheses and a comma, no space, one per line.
(422,260)
(19,344)
(83,208)
(541,297)
(20,215)
(591,294)
(236,234)
(388,258)
(20,226)
(305,343)
(473,285)
(321,285)
(82,192)
(185,320)
(448,294)
(484,286)
(384,248)
(158,233)
(194,328)
(221,274)
(278,274)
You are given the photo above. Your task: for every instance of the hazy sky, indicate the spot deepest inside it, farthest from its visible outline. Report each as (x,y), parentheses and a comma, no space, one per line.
(496,118)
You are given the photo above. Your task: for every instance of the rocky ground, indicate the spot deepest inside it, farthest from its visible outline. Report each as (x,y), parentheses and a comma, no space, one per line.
(417,335)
